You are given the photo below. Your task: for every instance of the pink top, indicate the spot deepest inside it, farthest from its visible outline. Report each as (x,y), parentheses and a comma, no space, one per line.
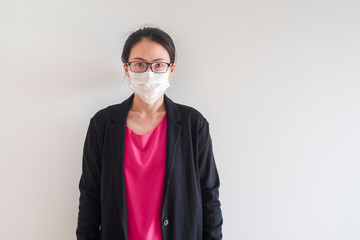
(145,157)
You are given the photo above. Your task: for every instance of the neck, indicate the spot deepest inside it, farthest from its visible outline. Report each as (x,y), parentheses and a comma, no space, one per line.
(139,106)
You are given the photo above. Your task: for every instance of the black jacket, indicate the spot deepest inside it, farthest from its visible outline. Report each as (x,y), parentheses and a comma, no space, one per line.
(191,206)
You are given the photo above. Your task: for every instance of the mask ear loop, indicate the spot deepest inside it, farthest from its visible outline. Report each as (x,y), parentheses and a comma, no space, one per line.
(124,79)
(169,79)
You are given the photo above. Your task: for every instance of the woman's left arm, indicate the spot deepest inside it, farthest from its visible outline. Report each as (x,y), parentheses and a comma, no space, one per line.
(210,183)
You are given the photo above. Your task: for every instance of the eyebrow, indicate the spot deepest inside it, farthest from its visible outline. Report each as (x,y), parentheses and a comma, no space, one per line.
(142,59)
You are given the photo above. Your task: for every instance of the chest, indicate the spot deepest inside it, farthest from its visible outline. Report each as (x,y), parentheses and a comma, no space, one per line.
(142,125)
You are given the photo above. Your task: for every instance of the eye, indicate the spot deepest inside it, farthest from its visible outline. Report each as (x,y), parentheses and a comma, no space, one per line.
(139,64)
(160,65)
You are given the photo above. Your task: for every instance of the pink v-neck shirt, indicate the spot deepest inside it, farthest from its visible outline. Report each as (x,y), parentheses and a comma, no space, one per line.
(145,157)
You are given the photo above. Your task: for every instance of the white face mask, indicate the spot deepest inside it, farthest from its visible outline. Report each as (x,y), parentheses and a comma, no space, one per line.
(149,85)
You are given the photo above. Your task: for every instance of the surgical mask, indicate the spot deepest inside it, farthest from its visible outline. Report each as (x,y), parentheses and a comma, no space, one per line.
(149,86)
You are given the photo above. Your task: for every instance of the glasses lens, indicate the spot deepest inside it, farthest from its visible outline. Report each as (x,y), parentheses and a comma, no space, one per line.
(138,66)
(160,67)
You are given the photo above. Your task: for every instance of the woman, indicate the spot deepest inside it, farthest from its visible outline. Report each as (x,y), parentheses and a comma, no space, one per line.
(148,168)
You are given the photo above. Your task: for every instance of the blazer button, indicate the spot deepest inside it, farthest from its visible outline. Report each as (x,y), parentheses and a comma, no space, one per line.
(166,222)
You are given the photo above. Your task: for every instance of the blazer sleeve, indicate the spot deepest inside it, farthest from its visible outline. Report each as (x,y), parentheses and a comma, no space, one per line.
(89,215)
(210,183)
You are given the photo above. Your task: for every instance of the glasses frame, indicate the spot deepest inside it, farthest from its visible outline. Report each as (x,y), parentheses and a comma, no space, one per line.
(147,66)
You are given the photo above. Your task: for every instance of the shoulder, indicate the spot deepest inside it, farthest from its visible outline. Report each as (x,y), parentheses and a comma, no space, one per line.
(103,118)
(191,117)
(188,112)
(112,112)
(106,113)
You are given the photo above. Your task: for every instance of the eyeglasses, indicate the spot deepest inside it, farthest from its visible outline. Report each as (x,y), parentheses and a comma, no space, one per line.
(156,67)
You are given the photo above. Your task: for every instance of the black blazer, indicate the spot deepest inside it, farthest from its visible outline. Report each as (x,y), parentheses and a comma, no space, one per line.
(190,207)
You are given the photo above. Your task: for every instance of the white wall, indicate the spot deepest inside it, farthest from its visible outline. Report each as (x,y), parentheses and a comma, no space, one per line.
(277,80)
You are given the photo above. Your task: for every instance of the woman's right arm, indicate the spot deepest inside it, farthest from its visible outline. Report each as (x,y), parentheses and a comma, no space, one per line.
(89,215)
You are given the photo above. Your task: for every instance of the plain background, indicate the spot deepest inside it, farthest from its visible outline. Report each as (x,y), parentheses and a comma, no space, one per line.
(278,81)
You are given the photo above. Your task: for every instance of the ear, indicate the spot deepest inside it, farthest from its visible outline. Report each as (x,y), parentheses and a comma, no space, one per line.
(126,68)
(172,69)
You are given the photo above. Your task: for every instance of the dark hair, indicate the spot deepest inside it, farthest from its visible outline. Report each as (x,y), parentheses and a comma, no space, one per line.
(150,33)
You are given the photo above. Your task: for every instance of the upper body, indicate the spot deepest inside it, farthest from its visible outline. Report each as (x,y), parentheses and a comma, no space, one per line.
(191,203)
(190,206)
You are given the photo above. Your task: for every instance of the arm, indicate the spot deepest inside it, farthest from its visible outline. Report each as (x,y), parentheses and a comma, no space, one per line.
(89,216)
(210,182)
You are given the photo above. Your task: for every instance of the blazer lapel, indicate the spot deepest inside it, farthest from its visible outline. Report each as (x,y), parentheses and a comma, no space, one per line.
(117,140)
(172,138)
(117,137)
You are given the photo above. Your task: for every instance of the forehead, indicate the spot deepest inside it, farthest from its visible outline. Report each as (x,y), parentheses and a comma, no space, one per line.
(148,50)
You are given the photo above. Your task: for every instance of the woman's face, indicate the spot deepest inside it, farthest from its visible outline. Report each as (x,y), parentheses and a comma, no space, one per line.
(149,51)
